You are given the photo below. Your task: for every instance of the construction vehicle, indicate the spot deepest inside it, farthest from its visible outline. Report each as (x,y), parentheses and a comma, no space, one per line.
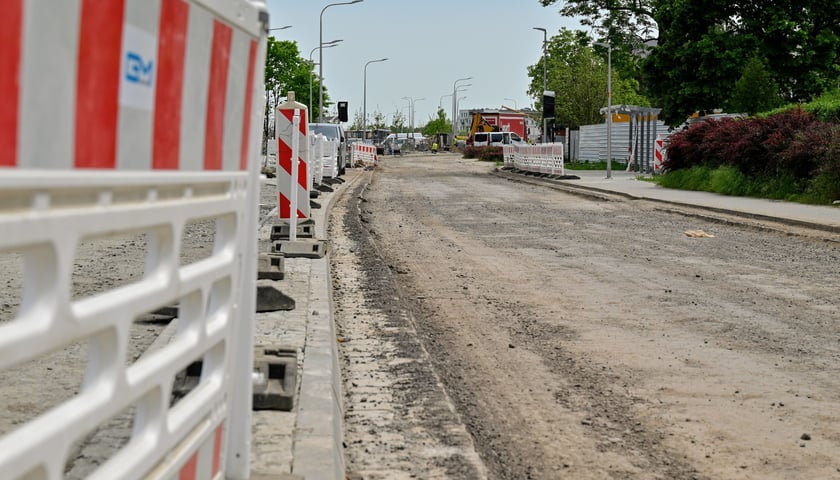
(480,124)
(486,121)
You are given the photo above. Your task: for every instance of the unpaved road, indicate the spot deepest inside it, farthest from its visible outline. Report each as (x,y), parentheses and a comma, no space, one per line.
(564,337)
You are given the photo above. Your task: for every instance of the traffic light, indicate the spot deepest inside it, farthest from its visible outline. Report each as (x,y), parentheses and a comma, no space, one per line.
(548,104)
(342,111)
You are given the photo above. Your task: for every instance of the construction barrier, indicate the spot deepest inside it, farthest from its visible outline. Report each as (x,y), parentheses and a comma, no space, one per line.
(329,158)
(363,154)
(660,154)
(293,182)
(546,158)
(153,110)
(316,153)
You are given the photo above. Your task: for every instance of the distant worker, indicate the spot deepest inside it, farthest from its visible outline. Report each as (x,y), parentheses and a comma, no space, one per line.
(434,147)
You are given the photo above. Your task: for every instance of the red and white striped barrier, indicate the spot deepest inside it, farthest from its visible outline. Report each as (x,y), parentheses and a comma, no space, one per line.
(659,154)
(133,117)
(293,180)
(364,154)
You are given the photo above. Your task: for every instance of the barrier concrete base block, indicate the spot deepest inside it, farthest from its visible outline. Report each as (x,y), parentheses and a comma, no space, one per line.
(313,204)
(270,266)
(306,248)
(278,366)
(305,229)
(314,194)
(269,299)
(323,188)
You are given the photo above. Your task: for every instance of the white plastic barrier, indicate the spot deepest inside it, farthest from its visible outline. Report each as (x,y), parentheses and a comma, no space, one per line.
(364,154)
(544,158)
(316,154)
(329,158)
(153,109)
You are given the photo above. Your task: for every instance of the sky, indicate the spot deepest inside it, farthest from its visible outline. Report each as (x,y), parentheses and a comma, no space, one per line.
(429,45)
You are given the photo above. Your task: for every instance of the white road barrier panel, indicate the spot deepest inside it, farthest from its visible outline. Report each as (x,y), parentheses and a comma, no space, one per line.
(154,110)
(544,158)
(316,153)
(329,158)
(363,154)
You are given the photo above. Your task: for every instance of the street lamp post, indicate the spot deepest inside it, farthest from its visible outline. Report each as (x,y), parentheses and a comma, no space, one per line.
(455,105)
(411,102)
(280,28)
(326,45)
(515,106)
(321,57)
(364,99)
(609,105)
(545,79)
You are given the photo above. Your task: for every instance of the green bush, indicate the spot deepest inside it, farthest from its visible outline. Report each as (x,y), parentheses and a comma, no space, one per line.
(484,153)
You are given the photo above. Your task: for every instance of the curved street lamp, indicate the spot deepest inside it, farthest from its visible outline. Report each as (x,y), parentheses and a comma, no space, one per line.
(321,56)
(364,99)
(325,45)
(455,105)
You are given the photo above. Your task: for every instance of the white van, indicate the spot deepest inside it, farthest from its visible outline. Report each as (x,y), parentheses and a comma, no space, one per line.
(497,139)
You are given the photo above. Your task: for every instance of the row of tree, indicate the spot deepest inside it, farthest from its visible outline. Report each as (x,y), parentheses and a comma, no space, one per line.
(685,56)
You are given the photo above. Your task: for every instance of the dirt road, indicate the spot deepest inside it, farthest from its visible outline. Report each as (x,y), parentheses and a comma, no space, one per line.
(563,337)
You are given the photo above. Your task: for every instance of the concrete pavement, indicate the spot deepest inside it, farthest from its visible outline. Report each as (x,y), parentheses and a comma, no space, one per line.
(825,218)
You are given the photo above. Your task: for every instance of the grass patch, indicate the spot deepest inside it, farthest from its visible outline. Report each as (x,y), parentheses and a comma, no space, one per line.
(729,180)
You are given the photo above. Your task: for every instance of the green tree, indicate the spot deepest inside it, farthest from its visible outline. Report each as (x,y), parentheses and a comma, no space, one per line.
(701,47)
(357,120)
(438,125)
(755,91)
(285,71)
(397,121)
(578,76)
(378,121)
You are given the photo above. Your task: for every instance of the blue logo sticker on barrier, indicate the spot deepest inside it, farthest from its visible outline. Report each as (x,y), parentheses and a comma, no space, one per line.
(138,71)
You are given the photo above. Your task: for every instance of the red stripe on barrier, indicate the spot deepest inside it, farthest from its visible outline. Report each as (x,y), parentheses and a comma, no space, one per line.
(249,93)
(172,44)
(285,205)
(11,31)
(98,83)
(188,471)
(303,166)
(214,132)
(284,155)
(217,451)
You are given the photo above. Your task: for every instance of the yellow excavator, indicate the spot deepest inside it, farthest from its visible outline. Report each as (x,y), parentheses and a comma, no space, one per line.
(480,124)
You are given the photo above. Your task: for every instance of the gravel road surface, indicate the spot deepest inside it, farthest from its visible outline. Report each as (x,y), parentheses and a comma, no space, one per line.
(498,329)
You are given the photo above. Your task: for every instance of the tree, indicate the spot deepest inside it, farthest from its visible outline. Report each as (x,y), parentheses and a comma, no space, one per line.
(286,70)
(701,47)
(755,91)
(357,120)
(397,122)
(578,76)
(378,121)
(438,125)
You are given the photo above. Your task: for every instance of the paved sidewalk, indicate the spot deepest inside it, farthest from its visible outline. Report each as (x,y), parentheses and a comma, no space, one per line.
(306,442)
(826,218)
